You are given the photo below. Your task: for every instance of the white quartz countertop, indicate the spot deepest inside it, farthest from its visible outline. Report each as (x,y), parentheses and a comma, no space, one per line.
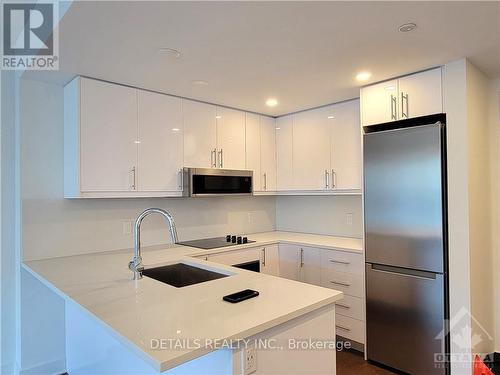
(137,312)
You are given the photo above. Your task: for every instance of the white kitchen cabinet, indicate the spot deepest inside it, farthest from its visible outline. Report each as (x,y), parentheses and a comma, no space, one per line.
(284,153)
(107,127)
(311,150)
(420,94)
(200,134)
(310,265)
(268,153)
(289,261)
(270,260)
(410,96)
(379,103)
(160,155)
(345,146)
(230,138)
(253,149)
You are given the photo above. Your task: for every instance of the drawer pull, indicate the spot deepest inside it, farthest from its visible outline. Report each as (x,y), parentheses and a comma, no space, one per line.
(340,283)
(347,329)
(343,306)
(339,261)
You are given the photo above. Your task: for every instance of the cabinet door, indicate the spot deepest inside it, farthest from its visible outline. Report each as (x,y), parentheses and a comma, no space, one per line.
(284,153)
(269,261)
(346,146)
(310,265)
(253,149)
(379,103)
(311,150)
(420,94)
(268,153)
(289,261)
(199,134)
(108,135)
(160,149)
(230,138)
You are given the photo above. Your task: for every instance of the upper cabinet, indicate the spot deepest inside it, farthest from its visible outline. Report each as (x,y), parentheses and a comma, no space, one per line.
(345,146)
(230,138)
(261,151)
(120,141)
(319,151)
(284,152)
(200,134)
(410,96)
(311,150)
(160,142)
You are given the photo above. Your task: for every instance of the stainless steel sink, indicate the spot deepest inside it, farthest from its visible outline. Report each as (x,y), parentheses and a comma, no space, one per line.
(181,274)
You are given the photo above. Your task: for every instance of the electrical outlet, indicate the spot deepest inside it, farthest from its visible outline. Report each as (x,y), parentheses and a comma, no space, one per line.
(348,217)
(250,216)
(250,361)
(127,227)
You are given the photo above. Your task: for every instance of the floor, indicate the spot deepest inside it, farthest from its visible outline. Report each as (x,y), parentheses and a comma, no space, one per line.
(351,362)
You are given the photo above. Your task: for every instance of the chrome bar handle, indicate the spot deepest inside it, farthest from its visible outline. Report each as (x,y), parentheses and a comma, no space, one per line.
(221,159)
(327,179)
(301,257)
(334,179)
(339,283)
(264,257)
(347,307)
(213,158)
(393,107)
(265,180)
(339,261)
(181,179)
(403,98)
(343,328)
(133,171)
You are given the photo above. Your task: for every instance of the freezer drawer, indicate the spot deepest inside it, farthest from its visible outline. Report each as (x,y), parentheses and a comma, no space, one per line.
(404,314)
(403,172)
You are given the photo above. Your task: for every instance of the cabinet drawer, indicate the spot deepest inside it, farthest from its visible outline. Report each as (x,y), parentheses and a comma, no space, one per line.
(352,307)
(343,261)
(236,257)
(350,328)
(348,283)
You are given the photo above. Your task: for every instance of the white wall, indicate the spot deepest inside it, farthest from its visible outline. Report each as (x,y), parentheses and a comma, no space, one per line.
(495,199)
(481,254)
(8,270)
(53,226)
(320,215)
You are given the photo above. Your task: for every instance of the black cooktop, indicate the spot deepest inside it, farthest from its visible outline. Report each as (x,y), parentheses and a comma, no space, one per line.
(213,243)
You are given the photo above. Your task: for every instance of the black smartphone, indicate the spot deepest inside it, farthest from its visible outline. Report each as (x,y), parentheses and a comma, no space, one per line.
(240,296)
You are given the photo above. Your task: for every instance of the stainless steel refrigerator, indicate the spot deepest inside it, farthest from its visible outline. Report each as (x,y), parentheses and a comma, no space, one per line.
(406,244)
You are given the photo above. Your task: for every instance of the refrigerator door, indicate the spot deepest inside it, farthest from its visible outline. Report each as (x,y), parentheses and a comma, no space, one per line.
(403,198)
(405,314)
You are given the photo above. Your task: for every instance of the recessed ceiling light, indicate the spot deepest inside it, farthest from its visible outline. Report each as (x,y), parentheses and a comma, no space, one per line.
(330,117)
(137,142)
(407,27)
(363,76)
(200,82)
(169,51)
(278,128)
(218,117)
(175,129)
(390,88)
(271,102)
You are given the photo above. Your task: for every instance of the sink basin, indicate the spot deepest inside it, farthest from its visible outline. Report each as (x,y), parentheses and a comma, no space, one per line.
(181,274)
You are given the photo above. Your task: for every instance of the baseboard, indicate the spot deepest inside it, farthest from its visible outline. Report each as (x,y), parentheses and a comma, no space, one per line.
(56,367)
(493,362)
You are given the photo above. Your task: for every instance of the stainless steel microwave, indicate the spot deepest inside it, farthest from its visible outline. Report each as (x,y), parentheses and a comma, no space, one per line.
(203,182)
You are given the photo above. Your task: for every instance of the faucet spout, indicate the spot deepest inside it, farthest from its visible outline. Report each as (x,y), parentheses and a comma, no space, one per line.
(136,265)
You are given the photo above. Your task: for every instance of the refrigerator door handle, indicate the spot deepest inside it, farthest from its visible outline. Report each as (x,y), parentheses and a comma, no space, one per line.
(404,272)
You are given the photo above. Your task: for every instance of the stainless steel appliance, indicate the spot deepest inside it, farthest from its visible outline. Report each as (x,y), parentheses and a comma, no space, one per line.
(202,182)
(406,244)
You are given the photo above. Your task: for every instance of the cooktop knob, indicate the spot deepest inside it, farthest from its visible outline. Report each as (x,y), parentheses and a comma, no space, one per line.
(233,239)
(228,238)
(239,239)
(245,239)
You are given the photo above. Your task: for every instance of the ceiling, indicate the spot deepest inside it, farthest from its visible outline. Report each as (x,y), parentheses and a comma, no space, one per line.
(305,54)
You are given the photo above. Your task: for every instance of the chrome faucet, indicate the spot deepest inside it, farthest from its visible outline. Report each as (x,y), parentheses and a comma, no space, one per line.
(135,264)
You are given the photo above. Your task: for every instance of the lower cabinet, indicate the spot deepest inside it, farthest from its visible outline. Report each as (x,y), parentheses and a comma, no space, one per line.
(330,268)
